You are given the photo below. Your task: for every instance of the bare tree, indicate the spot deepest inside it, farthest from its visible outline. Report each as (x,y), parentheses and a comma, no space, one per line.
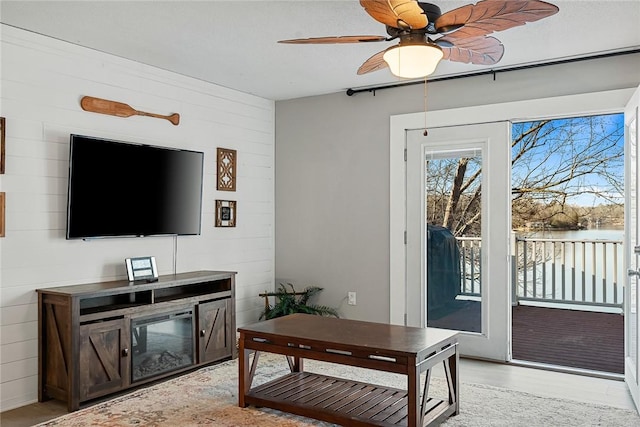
(454,194)
(553,162)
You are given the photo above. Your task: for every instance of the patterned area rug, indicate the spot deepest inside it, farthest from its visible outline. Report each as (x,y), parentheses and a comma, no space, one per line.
(209,397)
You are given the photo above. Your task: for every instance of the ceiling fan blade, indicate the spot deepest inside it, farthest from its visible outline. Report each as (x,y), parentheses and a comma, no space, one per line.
(375,63)
(333,40)
(488,16)
(403,14)
(477,50)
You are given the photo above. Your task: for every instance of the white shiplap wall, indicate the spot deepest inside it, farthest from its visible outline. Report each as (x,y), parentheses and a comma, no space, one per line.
(42,82)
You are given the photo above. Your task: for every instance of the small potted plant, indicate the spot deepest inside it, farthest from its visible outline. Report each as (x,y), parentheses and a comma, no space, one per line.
(288,301)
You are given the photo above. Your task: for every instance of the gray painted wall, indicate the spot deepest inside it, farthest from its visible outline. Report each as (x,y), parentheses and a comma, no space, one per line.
(332,171)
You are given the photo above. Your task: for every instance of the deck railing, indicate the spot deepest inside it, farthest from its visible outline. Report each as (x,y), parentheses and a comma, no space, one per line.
(586,272)
(470,265)
(559,271)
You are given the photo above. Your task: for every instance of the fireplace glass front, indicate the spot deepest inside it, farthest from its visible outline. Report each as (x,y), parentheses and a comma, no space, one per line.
(161,344)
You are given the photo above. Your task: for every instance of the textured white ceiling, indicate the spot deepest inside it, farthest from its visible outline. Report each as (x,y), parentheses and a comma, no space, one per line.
(234,43)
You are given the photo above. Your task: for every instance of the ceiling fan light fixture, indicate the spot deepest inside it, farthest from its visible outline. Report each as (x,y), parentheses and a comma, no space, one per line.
(413,60)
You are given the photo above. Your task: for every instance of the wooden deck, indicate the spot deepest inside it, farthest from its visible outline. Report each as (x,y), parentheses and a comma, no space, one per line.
(568,338)
(577,339)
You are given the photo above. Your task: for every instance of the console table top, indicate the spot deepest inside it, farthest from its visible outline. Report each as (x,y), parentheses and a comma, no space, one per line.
(118,286)
(368,336)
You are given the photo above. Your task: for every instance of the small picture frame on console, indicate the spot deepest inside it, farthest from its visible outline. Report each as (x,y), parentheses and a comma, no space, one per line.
(142,268)
(225,213)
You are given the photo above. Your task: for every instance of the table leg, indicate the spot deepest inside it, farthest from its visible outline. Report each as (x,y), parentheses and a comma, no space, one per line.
(413,392)
(449,357)
(425,396)
(453,381)
(245,373)
(295,363)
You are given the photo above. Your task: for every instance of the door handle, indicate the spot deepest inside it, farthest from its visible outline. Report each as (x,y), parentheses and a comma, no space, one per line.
(631,272)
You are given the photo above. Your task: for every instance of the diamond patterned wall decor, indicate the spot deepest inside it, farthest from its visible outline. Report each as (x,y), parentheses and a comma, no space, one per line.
(226,160)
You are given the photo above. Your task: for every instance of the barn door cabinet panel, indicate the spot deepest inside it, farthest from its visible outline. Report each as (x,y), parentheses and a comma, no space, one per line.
(215,335)
(104,362)
(101,338)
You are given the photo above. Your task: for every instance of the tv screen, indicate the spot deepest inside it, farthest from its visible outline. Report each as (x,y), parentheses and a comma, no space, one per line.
(119,189)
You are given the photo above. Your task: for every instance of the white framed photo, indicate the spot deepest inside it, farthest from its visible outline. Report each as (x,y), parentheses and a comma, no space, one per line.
(142,268)
(225,213)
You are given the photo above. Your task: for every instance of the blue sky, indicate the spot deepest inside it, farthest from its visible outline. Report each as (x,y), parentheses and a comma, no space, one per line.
(588,138)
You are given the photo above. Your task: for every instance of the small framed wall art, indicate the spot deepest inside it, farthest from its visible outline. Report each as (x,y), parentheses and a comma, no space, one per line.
(225,213)
(2,214)
(226,160)
(2,134)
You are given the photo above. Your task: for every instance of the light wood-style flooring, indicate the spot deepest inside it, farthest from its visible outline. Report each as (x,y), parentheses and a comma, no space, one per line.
(547,383)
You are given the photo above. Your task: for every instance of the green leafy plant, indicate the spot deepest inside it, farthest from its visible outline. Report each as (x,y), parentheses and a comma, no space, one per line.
(288,301)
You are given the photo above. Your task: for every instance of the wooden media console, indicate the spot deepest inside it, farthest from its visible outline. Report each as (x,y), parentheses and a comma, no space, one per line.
(100,338)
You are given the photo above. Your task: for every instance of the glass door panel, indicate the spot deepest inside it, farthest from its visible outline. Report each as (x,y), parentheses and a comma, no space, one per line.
(453,217)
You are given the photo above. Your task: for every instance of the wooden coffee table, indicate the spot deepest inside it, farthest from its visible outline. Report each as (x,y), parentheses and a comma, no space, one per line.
(391,348)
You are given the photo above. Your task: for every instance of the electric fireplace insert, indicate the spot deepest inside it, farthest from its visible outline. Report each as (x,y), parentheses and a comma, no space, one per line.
(161,344)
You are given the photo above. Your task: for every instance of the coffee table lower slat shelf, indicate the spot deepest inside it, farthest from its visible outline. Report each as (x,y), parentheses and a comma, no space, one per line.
(338,400)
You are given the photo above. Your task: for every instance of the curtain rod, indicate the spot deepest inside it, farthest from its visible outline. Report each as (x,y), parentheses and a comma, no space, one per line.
(351,92)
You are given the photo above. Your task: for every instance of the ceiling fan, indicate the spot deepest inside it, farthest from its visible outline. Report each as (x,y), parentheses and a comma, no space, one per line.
(426,35)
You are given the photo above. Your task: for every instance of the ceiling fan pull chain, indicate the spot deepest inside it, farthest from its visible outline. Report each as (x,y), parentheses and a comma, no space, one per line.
(426,132)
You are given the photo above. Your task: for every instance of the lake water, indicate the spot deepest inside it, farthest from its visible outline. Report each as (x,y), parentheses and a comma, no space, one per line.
(591,234)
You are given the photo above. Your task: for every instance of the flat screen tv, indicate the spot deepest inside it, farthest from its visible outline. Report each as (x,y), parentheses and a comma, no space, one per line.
(121,189)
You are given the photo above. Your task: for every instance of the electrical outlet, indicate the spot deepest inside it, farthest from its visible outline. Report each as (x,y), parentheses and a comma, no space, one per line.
(351,298)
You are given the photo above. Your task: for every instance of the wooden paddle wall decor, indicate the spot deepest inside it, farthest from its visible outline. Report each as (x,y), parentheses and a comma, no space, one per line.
(120,109)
